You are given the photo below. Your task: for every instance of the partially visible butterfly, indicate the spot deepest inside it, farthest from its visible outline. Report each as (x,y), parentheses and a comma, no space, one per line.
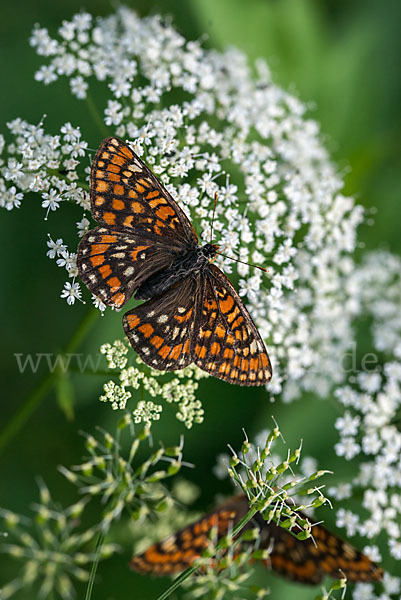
(302,561)
(145,245)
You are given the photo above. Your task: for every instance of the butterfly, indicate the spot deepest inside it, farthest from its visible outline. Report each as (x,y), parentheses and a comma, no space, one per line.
(145,245)
(301,561)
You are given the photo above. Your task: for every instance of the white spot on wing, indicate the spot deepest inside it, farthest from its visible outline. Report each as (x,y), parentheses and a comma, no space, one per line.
(135,167)
(253,346)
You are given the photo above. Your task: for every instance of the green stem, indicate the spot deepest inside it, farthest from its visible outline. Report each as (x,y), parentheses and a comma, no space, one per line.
(95,563)
(96,116)
(188,572)
(32,402)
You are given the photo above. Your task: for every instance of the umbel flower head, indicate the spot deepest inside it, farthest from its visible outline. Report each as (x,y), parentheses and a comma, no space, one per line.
(207,122)
(369,429)
(54,550)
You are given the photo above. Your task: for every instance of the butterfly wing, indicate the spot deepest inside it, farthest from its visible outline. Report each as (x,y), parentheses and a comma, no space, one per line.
(179,551)
(142,227)
(296,560)
(114,263)
(126,194)
(228,344)
(161,329)
(310,561)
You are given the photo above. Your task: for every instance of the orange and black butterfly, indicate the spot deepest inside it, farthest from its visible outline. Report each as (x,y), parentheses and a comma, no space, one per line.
(301,561)
(145,245)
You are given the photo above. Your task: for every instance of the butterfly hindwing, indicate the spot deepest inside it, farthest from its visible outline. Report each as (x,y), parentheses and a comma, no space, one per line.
(228,344)
(161,329)
(309,561)
(126,194)
(335,555)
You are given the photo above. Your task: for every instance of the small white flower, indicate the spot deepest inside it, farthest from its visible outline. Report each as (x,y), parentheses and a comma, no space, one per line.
(370,382)
(342,491)
(373,553)
(70,133)
(46,74)
(63,261)
(364,591)
(98,303)
(347,448)
(79,87)
(391,584)
(82,226)
(348,425)
(347,519)
(308,466)
(10,198)
(51,201)
(395,548)
(285,252)
(14,170)
(113,113)
(57,248)
(71,292)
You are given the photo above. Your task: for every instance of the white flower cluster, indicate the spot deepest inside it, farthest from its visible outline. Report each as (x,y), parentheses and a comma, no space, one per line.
(180,390)
(146,412)
(369,428)
(116,354)
(205,124)
(47,164)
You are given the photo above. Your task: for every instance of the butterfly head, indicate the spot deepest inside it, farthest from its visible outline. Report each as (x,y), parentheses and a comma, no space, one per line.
(209,251)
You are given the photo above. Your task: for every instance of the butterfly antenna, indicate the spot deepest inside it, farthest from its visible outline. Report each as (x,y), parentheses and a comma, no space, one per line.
(244,263)
(214,213)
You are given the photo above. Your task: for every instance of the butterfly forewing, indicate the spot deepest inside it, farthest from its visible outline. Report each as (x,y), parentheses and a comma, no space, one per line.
(179,551)
(304,561)
(114,263)
(125,193)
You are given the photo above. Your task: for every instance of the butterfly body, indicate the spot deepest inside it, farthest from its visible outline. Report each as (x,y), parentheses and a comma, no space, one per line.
(145,246)
(191,261)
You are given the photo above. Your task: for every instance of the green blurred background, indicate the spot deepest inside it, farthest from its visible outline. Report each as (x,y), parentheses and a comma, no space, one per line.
(340,56)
